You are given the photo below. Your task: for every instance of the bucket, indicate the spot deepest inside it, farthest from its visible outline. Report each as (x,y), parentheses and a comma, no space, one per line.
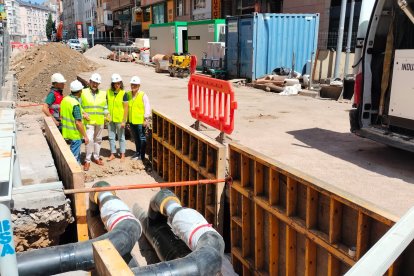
(144,56)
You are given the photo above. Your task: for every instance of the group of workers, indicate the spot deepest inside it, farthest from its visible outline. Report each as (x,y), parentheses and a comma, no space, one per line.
(83,113)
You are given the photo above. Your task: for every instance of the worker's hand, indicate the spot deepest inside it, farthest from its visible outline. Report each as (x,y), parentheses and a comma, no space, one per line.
(86,140)
(108,117)
(123,125)
(57,123)
(86,116)
(144,124)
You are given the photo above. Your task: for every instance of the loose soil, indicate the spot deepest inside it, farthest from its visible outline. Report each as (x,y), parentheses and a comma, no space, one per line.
(35,66)
(98,51)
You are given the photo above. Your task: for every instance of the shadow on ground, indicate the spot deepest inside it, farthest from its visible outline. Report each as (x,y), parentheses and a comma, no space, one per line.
(367,154)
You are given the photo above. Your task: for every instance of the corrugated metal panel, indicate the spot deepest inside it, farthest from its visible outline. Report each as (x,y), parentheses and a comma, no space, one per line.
(275,38)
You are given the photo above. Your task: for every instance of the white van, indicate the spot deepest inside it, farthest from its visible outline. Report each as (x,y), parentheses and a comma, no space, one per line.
(384,89)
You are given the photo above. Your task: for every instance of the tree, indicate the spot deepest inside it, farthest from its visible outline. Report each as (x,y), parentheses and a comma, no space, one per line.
(49,27)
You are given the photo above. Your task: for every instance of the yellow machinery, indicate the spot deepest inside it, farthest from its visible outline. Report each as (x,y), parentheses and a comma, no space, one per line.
(180,65)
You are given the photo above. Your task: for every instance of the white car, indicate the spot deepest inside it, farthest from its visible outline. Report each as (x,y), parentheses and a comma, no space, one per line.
(75,44)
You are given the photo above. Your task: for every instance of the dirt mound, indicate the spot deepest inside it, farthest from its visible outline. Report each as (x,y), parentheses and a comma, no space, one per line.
(35,66)
(98,51)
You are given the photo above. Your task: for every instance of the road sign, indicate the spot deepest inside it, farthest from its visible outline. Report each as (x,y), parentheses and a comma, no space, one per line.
(91,30)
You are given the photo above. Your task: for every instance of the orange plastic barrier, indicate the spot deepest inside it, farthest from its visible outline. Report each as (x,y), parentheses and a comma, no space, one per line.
(212,102)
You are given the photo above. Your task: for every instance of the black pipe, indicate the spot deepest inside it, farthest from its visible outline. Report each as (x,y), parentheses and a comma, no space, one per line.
(76,256)
(206,260)
(167,245)
(79,256)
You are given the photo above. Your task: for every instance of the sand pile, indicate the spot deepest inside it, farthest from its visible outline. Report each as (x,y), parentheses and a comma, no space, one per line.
(35,66)
(98,51)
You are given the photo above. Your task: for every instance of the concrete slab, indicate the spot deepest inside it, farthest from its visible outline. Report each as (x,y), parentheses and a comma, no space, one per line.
(36,160)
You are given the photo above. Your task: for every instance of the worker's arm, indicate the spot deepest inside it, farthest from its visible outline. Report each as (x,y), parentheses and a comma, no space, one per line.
(147,110)
(81,129)
(125,111)
(50,99)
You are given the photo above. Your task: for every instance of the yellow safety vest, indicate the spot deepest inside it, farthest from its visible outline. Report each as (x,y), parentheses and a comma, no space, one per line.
(94,106)
(116,105)
(136,108)
(69,130)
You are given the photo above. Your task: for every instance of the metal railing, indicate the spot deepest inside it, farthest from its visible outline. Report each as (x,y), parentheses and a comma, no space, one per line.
(4,57)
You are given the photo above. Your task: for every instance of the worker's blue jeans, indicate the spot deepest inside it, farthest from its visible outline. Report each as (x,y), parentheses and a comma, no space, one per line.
(75,146)
(139,138)
(113,129)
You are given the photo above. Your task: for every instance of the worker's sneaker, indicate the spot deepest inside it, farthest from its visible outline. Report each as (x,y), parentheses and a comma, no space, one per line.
(136,156)
(86,166)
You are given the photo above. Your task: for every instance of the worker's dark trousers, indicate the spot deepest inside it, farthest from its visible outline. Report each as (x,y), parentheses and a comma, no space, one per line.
(140,140)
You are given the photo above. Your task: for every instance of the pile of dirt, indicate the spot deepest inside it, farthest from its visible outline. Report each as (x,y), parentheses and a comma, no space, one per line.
(98,51)
(35,66)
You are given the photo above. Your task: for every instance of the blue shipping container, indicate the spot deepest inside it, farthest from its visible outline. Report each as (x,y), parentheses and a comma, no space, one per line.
(256,44)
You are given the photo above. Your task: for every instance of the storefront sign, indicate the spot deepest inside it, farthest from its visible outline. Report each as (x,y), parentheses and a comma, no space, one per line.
(216,9)
(79,30)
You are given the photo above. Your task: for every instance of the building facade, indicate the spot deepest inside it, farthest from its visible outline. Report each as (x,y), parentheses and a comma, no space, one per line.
(104,20)
(12,11)
(70,18)
(33,19)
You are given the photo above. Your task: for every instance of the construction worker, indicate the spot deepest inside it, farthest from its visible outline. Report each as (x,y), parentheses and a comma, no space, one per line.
(71,118)
(51,107)
(95,107)
(138,115)
(118,115)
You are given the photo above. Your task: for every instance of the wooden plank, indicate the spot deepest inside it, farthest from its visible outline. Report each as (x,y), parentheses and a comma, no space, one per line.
(333,265)
(259,237)
(362,235)
(311,208)
(220,188)
(310,258)
(273,245)
(245,171)
(107,260)
(335,220)
(70,173)
(246,217)
(291,197)
(258,187)
(290,251)
(274,187)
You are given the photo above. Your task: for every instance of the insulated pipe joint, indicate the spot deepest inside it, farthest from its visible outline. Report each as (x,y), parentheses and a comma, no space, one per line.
(162,199)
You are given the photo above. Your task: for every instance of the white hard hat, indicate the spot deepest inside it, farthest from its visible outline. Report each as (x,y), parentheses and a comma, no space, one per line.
(76,86)
(58,77)
(96,77)
(116,78)
(135,80)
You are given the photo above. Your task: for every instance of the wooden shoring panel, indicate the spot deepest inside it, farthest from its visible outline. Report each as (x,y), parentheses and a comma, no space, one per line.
(335,219)
(291,197)
(310,258)
(333,266)
(318,230)
(362,235)
(259,238)
(70,173)
(290,251)
(246,221)
(185,154)
(273,245)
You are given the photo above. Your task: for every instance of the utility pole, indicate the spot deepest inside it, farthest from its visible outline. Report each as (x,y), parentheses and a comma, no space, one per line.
(93,33)
(340,39)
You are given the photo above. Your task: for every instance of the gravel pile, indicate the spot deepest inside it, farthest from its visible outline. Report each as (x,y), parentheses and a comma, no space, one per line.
(98,51)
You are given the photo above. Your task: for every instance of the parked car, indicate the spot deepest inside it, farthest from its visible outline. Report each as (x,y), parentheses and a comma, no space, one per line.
(75,44)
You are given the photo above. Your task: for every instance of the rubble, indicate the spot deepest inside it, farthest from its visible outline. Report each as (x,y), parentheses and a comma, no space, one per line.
(35,66)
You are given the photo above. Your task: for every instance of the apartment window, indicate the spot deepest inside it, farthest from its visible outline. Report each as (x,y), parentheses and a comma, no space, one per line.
(180,8)
(109,16)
